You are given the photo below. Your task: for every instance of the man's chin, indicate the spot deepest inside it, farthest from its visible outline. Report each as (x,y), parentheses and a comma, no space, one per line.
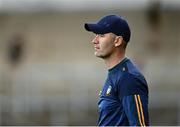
(98,55)
(101,55)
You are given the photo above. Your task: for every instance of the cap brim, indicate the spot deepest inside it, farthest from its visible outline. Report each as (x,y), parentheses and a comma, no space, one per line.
(95,28)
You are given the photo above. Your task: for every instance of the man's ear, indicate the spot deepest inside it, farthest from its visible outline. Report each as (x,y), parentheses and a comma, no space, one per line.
(118,41)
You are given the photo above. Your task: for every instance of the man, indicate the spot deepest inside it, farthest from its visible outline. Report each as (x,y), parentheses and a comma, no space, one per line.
(123,100)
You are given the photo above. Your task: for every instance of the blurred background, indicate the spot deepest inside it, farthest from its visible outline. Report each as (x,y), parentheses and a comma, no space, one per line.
(50,76)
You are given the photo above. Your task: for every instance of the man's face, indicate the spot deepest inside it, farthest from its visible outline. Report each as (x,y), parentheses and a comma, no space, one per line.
(104,45)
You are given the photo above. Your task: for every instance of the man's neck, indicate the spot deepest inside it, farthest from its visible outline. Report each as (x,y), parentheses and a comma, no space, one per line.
(114,59)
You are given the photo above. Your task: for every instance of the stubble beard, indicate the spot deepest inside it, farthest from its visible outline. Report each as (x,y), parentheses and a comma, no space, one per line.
(103,56)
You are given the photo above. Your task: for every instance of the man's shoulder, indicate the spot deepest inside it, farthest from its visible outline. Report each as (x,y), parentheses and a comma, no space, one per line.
(132,68)
(133,78)
(132,71)
(133,84)
(127,73)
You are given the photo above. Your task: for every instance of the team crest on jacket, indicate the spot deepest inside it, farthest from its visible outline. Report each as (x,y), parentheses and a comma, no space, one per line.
(108,92)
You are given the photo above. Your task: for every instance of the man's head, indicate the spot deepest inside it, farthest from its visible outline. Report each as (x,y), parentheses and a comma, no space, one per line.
(112,34)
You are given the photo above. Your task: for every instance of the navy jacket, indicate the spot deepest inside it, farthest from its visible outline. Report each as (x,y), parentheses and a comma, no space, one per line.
(123,100)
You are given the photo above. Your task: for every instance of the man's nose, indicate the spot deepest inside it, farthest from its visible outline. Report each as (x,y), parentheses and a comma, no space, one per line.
(95,40)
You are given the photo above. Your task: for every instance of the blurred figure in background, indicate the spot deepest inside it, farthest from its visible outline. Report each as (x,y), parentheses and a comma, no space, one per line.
(124,96)
(15,49)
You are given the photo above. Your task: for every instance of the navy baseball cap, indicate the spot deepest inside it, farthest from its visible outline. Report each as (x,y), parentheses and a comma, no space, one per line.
(110,24)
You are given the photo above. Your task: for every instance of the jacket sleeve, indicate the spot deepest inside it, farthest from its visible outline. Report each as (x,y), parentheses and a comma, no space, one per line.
(133,92)
(136,109)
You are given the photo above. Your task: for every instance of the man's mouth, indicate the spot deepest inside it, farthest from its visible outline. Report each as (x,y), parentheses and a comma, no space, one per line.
(96,47)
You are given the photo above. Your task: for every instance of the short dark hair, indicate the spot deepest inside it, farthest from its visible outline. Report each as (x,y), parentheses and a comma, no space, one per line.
(124,44)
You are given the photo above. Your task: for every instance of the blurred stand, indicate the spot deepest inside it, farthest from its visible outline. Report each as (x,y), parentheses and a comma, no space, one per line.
(154,17)
(14,53)
(49,75)
(163,50)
